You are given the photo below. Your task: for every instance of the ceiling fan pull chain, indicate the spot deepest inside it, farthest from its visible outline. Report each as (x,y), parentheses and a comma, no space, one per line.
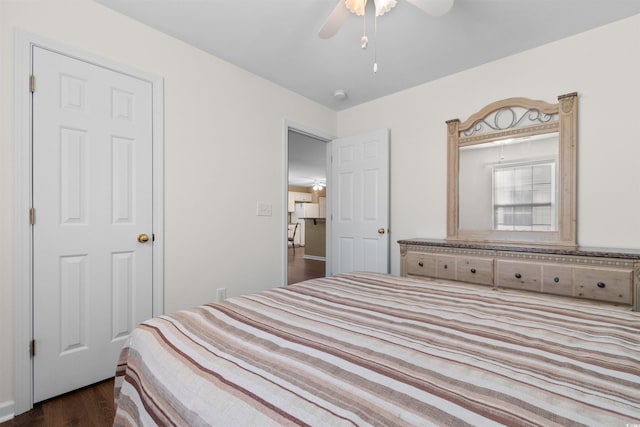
(375,44)
(364,41)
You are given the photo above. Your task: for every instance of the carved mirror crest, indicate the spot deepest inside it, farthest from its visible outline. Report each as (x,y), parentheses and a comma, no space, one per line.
(512,173)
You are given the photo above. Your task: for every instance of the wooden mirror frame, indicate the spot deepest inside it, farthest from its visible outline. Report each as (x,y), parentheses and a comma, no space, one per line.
(566,111)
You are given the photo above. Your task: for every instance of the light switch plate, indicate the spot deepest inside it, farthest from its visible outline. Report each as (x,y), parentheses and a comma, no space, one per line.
(264,209)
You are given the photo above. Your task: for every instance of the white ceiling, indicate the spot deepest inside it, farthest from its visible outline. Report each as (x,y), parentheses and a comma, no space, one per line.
(277,39)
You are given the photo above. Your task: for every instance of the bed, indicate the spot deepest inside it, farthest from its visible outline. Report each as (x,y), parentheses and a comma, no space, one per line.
(373,349)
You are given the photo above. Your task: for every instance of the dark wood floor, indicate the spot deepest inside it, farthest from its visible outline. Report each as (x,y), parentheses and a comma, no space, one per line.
(299,269)
(92,406)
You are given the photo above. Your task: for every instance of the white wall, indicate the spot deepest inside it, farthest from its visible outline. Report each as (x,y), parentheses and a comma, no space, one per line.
(602,65)
(223,152)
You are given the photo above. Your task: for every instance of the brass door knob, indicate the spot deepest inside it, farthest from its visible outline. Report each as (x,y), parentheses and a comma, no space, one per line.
(143,238)
(380,230)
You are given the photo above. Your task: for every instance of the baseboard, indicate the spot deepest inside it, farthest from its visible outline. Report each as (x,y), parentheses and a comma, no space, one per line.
(6,411)
(317,258)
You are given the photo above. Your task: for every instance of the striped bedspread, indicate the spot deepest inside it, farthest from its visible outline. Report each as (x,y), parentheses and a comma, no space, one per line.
(370,349)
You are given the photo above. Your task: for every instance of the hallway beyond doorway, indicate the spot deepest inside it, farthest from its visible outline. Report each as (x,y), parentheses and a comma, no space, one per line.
(300,269)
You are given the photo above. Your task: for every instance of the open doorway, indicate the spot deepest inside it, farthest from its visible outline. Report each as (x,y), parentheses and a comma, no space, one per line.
(306,207)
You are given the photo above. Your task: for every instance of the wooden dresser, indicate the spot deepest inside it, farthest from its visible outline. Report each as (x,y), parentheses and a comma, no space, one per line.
(607,275)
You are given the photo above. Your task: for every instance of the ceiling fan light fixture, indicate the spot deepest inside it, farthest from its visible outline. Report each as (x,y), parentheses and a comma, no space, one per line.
(356,6)
(384,6)
(318,185)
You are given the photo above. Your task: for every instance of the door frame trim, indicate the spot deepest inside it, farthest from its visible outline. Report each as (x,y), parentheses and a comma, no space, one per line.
(23,284)
(288,125)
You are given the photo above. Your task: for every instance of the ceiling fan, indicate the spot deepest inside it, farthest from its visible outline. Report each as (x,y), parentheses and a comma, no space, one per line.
(346,7)
(319,184)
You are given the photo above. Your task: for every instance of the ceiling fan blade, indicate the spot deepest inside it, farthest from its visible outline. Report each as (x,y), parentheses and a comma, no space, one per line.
(433,7)
(339,14)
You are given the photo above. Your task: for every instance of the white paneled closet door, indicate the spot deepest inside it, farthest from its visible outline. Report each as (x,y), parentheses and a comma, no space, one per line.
(92,195)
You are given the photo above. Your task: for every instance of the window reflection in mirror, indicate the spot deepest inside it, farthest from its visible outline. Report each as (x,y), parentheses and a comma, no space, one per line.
(510,184)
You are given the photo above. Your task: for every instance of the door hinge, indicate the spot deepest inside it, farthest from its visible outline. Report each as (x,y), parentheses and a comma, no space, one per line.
(32,83)
(32,348)
(32,216)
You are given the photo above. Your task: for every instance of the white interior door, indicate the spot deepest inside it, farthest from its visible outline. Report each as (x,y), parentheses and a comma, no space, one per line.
(92,195)
(360,203)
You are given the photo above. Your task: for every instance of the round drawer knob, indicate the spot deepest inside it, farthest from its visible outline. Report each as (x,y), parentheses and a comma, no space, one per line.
(473,270)
(601,285)
(518,276)
(556,279)
(421,264)
(446,266)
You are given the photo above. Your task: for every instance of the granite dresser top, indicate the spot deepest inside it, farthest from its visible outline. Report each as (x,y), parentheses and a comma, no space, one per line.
(518,247)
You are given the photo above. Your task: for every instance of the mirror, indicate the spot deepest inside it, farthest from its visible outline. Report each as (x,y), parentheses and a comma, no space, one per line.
(509,184)
(511,173)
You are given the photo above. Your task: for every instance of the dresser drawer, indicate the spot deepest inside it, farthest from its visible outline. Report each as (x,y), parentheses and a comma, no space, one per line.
(604,284)
(419,264)
(557,279)
(519,275)
(475,270)
(445,267)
